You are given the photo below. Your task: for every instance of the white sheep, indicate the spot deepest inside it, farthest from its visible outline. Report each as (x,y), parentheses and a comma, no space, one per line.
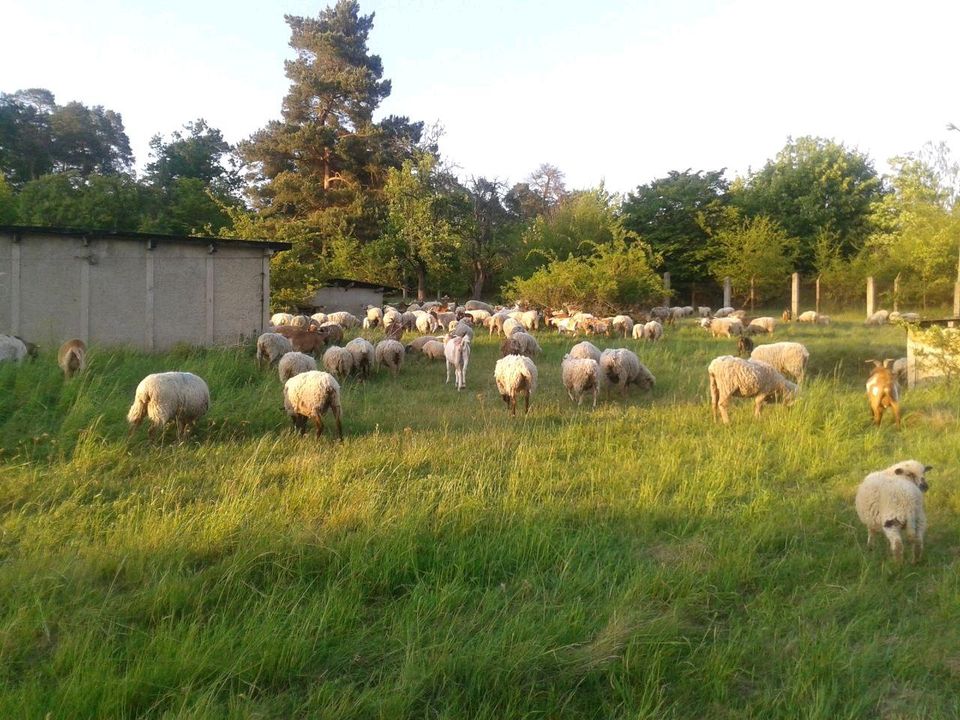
(479,316)
(456,351)
(899,370)
(72,357)
(880,317)
(12,348)
(278,319)
(390,354)
(726,327)
(622,325)
(344,319)
(891,500)
(478,305)
(511,325)
(734,377)
(528,319)
(338,360)
(301,322)
(426,323)
(724,312)
(433,350)
(294,363)
(766,323)
(271,347)
(810,316)
(585,349)
(622,367)
(704,311)
(319,318)
(515,374)
(162,397)
(789,358)
(308,396)
(580,375)
(363,353)
(652,331)
(374,317)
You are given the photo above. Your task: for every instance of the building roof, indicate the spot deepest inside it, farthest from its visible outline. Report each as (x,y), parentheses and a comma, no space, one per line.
(156,237)
(346,284)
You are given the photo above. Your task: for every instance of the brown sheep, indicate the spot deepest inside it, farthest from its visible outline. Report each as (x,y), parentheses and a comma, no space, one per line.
(72,357)
(744,346)
(883,391)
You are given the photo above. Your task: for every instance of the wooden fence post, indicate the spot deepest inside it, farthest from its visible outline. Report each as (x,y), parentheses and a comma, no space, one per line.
(666,288)
(817,307)
(871,296)
(795,295)
(727,291)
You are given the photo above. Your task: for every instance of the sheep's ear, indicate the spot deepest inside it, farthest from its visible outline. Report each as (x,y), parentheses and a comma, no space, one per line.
(888,362)
(899,471)
(927,468)
(875,363)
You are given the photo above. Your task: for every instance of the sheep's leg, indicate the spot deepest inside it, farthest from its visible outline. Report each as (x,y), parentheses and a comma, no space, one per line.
(895,406)
(336,416)
(572,398)
(758,405)
(318,421)
(448,371)
(596,391)
(526,401)
(871,534)
(892,531)
(722,407)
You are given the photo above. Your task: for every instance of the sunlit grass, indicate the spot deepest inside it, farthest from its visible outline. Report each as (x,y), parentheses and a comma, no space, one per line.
(446,560)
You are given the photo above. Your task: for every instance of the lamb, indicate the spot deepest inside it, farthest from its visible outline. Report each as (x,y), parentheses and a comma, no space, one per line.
(880,317)
(343,319)
(622,325)
(786,316)
(363,354)
(652,331)
(389,353)
(456,350)
(580,375)
(810,316)
(789,358)
(338,361)
(768,324)
(294,363)
(180,396)
(520,343)
(515,374)
(892,499)
(308,396)
(585,349)
(72,357)
(883,391)
(637,332)
(433,350)
(732,377)
(271,347)
(622,367)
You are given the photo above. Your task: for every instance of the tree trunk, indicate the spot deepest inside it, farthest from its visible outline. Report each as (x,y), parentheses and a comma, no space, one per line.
(479,278)
(421,283)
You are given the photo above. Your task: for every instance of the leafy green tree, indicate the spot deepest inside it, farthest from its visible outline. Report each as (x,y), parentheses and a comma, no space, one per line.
(104,202)
(492,234)
(815,185)
(8,203)
(674,214)
(198,152)
(26,143)
(755,253)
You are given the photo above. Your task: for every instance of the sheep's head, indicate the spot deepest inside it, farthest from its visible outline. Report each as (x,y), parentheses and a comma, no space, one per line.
(913,471)
(788,393)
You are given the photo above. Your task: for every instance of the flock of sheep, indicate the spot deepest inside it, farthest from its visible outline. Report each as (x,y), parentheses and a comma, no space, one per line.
(888,501)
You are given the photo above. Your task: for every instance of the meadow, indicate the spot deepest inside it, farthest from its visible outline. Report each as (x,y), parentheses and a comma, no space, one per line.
(447,561)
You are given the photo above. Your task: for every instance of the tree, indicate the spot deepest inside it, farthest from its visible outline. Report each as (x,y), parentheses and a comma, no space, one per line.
(8,203)
(492,234)
(756,253)
(198,152)
(815,185)
(675,214)
(102,202)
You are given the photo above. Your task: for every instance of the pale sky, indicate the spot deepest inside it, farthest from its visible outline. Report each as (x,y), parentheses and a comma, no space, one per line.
(622,92)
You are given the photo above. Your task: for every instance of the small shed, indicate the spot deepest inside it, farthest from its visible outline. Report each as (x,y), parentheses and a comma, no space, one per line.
(351,295)
(141,290)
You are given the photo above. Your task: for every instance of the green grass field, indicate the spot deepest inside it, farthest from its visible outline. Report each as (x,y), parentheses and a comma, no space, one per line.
(446,561)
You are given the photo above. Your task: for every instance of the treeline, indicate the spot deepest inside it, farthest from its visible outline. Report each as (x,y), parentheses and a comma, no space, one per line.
(374,199)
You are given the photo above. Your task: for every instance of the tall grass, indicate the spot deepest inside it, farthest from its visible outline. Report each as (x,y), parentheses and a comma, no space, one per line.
(446,561)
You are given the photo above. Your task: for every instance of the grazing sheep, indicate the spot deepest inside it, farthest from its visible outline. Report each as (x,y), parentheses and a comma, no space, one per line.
(726,327)
(585,349)
(810,316)
(301,322)
(723,312)
(622,325)
(278,319)
(744,346)
(734,377)
(789,358)
(162,397)
(320,318)
(418,343)
(343,319)
(72,357)
(456,350)
(664,314)
(520,343)
(751,330)
(910,317)
(528,319)
(637,332)
(459,328)
(444,318)
(899,370)
(338,360)
(892,499)
(389,353)
(823,319)
(479,316)
(510,326)
(580,375)
(363,353)
(271,347)
(515,374)
(767,324)
(478,305)
(13,348)
(294,363)
(332,332)
(374,317)
(426,323)
(433,350)
(622,367)
(567,326)
(704,311)
(652,331)
(880,317)
(308,396)
(883,391)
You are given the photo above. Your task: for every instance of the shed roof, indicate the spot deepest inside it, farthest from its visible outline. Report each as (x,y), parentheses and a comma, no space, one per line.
(346,284)
(24,230)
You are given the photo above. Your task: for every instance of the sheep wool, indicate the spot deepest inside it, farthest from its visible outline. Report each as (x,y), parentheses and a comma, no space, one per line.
(363,353)
(72,357)
(433,350)
(585,349)
(12,348)
(389,354)
(653,331)
(789,358)
(810,316)
(734,377)
(343,319)
(580,376)
(338,361)
(622,367)
(294,363)
(456,351)
(271,347)
(278,319)
(478,305)
(767,324)
(308,396)
(162,397)
(515,374)
(622,325)
(891,500)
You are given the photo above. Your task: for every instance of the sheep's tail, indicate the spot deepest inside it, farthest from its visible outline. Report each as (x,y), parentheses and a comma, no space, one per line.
(74,360)
(139,408)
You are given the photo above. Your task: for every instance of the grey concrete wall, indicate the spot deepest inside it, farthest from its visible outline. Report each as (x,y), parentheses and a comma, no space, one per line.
(354,300)
(115,291)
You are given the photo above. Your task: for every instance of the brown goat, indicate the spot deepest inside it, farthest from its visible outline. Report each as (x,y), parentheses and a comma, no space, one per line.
(883,391)
(72,357)
(744,346)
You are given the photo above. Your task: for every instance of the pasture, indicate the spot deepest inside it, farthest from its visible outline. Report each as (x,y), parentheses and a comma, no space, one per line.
(447,561)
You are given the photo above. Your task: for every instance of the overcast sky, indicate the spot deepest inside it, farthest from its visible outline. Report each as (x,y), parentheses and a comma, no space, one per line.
(622,92)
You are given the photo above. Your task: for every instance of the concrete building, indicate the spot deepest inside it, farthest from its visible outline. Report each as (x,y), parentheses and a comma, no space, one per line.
(929,360)
(140,290)
(350,295)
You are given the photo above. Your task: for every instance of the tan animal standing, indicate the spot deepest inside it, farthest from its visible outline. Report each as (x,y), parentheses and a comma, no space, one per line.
(72,357)
(883,391)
